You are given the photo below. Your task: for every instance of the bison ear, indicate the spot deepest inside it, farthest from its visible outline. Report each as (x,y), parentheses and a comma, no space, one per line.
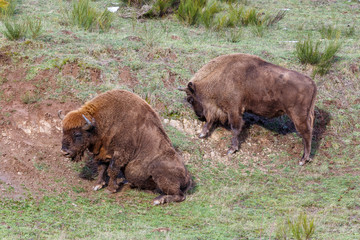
(191,87)
(89,125)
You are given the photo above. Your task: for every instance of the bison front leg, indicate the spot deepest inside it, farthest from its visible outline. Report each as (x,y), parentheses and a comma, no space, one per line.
(100,183)
(206,129)
(236,124)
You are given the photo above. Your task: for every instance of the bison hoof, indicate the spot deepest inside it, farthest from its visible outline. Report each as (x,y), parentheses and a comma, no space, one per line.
(231,151)
(203,135)
(159,200)
(98,187)
(303,161)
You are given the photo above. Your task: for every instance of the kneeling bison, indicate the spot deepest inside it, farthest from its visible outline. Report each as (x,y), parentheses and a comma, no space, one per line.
(124,133)
(229,85)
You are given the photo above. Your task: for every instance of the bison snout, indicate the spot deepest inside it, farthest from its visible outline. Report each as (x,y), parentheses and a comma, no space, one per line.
(65,153)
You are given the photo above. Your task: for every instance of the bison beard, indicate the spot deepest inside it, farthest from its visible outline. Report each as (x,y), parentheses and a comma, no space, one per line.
(124,133)
(229,85)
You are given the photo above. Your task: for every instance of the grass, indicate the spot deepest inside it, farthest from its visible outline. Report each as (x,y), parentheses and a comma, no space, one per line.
(250,195)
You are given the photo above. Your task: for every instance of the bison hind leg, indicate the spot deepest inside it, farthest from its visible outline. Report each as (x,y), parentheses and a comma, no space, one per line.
(168,198)
(304,125)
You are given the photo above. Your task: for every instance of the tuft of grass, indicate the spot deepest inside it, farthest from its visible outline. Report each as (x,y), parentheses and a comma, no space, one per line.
(208,13)
(272,20)
(7,8)
(299,228)
(253,17)
(309,52)
(258,30)
(30,97)
(14,30)
(34,27)
(189,11)
(349,30)
(327,58)
(234,35)
(329,32)
(88,18)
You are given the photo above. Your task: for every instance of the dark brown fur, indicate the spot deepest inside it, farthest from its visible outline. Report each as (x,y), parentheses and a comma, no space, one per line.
(126,132)
(229,85)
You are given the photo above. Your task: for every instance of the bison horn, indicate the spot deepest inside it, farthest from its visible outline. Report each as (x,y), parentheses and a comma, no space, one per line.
(182,89)
(88,125)
(61,116)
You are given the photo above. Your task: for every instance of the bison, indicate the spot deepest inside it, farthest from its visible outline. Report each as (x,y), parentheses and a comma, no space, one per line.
(229,85)
(125,134)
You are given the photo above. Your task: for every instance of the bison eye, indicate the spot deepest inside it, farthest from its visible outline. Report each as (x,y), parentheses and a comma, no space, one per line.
(77,135)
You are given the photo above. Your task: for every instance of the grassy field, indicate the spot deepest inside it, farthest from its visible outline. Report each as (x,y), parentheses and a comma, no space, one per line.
(258,193)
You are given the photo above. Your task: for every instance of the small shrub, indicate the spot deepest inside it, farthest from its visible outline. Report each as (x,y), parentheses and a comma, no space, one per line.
(329,32)
(14,30)
(189,11)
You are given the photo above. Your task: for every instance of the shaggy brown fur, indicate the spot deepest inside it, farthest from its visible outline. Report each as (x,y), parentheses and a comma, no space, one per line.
(123,130)
(229,85)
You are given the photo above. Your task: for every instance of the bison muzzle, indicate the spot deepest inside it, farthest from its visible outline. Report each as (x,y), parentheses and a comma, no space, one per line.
(229,85)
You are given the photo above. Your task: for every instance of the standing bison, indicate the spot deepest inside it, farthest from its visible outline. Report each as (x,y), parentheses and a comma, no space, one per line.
(229,85)
(124,133)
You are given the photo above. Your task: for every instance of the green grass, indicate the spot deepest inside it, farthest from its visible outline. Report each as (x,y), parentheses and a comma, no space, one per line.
(250,195)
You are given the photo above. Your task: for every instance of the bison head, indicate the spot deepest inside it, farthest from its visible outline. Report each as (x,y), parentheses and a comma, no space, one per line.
(193,100)
(76,139)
